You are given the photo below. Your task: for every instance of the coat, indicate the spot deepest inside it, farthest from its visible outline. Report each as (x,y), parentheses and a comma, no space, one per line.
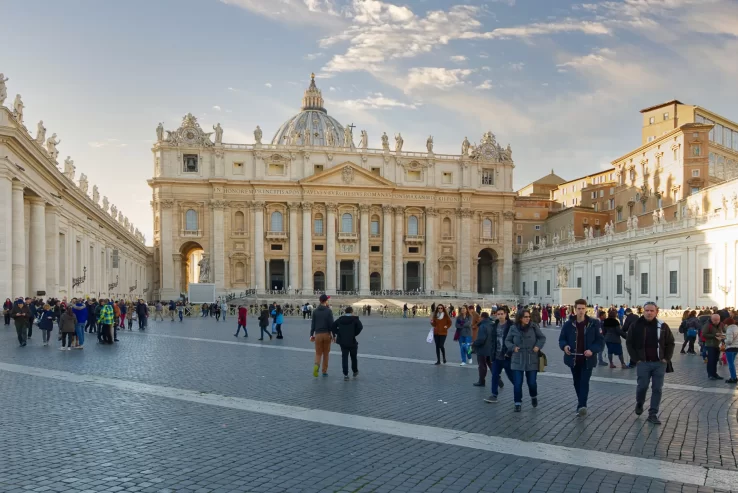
(476,319)
(463,325)
(613,331)
(710,333)
(345,330)
(46,322)
(593,341)
(440,326)
(67,323)
(20,315)
(525,359)
(636,341)
(264,318)
(535,315)
(242,314)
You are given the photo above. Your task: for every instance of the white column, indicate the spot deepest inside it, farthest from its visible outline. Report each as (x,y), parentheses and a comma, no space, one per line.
(177,261)
(399,246)
(307,249)
(430,249)
(218,257)
(259,246)
(330,263)
(6,234)
(19,241)
(507,253)
(294,271)
(167,290)
(387,247)
(37,245)
(466,215)
(364,250)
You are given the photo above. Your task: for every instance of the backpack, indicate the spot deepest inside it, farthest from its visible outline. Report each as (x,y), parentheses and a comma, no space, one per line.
(683,327)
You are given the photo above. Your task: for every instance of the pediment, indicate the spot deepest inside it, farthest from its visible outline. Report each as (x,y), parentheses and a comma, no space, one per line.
(347,174)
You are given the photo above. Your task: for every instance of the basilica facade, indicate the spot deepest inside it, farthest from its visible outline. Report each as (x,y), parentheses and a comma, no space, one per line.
(313,210)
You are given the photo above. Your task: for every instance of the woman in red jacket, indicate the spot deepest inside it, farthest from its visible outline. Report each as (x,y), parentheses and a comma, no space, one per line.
(241,321)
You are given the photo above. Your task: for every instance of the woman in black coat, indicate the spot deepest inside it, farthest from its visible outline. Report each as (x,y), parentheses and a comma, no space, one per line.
(264,323)
(613,334)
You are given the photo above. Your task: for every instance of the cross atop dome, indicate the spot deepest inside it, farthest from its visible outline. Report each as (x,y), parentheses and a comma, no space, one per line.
(313,98)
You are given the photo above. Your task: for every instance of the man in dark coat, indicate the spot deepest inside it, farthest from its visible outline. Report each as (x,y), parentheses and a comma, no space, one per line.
(21,313)
(345,330)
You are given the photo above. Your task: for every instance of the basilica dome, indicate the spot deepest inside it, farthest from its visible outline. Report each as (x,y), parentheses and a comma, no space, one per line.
(323,130)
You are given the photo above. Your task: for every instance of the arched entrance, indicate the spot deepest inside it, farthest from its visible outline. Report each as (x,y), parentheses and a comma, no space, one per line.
(192,253)
(375,282)
(487,271)
(319,281)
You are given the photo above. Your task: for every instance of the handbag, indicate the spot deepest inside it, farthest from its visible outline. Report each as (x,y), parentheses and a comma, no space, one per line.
(457,334)
(429,339)
(542,361)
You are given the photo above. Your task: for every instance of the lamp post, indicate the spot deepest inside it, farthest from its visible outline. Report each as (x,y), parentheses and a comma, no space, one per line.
(113,285)
(725,289)
(77,281)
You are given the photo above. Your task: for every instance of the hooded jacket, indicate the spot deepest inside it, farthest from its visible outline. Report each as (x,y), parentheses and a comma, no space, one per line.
(345,329)
(322,321)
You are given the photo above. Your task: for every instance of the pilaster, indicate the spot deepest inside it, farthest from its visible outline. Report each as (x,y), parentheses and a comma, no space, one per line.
(307,249)
(19,241)
(331,268)
(399,248)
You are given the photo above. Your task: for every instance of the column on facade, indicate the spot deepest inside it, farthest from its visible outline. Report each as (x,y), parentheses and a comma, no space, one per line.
(364,250)
(167,265)
(466,215)
(399,247)
(430,249)
(294,270)
(177,260)
(37,245)
(404,275)
(387,247)
(355,287)
(307,249)
(655,279)
(507,252)
(6,234)
(259,246)
(19,241)
(218,257)
(331,268)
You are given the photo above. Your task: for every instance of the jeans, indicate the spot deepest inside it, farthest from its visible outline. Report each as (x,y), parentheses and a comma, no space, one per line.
(581,374)
(181,315)
(122,320)
(67,339)
(690,341)
(279,331)
(79,330)
(530,377)
(90,324)
(713,353)
(264,330)
(730,356)
(497,366)
(345,353)
(45,335)
(464,342)
(654,373)
(224,314)
(440,349)
(245,334)
(7,317)
(141,320)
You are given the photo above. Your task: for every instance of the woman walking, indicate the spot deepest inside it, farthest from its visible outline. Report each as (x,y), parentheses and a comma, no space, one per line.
(463,329)
(242,314)
(441,323)
(46,324)
(613,334)
(731,348)
(280,320)
(264,323)
(544,316)
(7,307)
(523,343)
(66,327)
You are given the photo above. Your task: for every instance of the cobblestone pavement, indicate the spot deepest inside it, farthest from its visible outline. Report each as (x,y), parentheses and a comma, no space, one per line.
(60,435)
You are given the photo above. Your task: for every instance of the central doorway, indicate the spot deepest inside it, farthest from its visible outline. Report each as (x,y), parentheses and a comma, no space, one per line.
(347,278)
(277,274)
(414,276)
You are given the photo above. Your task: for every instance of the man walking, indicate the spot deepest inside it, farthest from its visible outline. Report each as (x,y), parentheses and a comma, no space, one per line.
(320,333)
(345,330)
(106,321)
(80,311)
(714,333)
(651,346)
(580,339)
(20,314)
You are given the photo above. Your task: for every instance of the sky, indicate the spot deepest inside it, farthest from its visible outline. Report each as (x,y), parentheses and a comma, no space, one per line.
(561,81)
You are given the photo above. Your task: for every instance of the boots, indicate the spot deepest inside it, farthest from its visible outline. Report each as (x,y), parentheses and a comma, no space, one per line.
(479,383)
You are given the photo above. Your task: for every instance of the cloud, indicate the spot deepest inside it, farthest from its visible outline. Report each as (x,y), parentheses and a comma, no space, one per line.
(436,77)
(541,29)
(375,101)
(268,84)
(314,12)
(217,108)
(516,67)
(233,89)
(487,84)
(312,56)
(458,58)
(486,68)
(106,143)
(332,89)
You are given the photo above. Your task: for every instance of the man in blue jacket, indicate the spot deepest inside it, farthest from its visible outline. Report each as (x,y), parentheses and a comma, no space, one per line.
(581,340)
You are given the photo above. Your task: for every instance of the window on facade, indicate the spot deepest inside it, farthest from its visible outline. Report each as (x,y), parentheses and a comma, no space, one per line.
(276,169)
(447,178)
(488,177)
(446,227)
(598,286)
(375,225)
(579,282)
(377,171)
(706,281)
(487,228)
(238,168)
(660,202)
(619,284)
(535,288)
(275,246)
(413,250)
(644,282)
(190,163)
(318,168)
(727,138)
(695,190)
(537,227)
(548,287)
(347,223)
(718,134)
(611,204)
(673,278)
(596,207)
(519,240)
(275,223)
(620,215)
(652,120)
(643,207)
(695,173)
(318,225)
(413,175)
(239,221)
(602,193)
(375,248)
(240,272)
(318,248)
(191,220)
(412,226)
(696,150)
(735,141)
(538,240)
(666,116)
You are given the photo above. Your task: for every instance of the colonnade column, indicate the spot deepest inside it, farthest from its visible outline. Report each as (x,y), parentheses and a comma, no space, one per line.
(507,253)
(6,234)
(466,215)
(167,290)
(37,244)
(307,248)
(330,263)
(294,269)
(430,249)
(177,260)
(259,246)
(399,247)
(218,265)
(387,247)
(19,241)
(364,250)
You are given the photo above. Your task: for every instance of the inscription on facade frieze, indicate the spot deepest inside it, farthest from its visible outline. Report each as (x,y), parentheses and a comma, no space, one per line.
(339,193)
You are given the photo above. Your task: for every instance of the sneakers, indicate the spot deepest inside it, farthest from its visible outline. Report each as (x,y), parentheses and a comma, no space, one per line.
(315,370)
(518,408)
(682,352)
(491,399)
(624,366)
(582,412)
(731,380)
(462,364)
(653,419)
(715,377)
(480,383)
(602,363)
(356,374)
(346,378)
(437,363)
(62,349)
(639,408)
(325,374)
(534,401)
(612,366)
